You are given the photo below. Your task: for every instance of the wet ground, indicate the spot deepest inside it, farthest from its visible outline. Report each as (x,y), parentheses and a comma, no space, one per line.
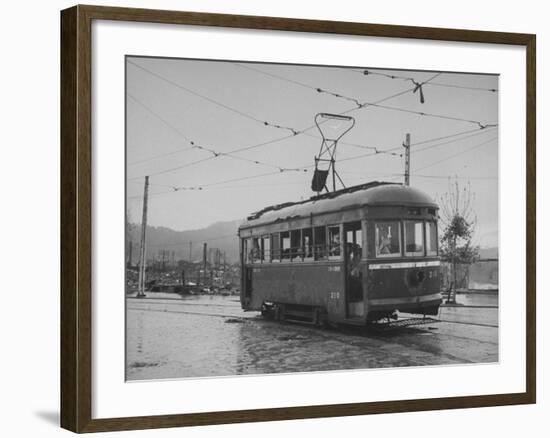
(170,336)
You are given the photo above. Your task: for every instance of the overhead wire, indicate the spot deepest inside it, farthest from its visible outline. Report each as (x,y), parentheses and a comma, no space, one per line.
(174,188)
(302,84)
(215,153)
(166,123)
(459,177)
(202,186)
(293,130)
(377,103)
(475,134)
(236,157)
(213,156)
(455,155)
(268,142)
(229,154)
(193,144)
(462,87)
(213,101)
(395,175)
(389,150)
(367,72)
(444,137)
(439,116)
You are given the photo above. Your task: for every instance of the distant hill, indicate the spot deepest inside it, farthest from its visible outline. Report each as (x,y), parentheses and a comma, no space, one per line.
(222,235)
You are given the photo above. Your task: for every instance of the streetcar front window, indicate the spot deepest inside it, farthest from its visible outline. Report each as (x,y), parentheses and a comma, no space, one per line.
(388,239)
(414,238)
(431,238)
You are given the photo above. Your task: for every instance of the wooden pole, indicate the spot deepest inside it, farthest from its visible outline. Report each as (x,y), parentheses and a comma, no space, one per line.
(204,252)
(129,265)
(407,146)
(143,249)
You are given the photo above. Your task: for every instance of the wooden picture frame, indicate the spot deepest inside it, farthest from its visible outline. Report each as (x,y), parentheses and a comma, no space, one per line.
(76,217)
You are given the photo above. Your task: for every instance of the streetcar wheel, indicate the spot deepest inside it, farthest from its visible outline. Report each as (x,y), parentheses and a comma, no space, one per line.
(266,311)
(279,312)
(320,318)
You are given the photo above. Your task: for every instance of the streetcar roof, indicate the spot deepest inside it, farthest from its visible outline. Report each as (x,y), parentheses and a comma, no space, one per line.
(370,194)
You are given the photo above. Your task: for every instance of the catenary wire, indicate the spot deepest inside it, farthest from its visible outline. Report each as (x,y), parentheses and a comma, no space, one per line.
(216,154)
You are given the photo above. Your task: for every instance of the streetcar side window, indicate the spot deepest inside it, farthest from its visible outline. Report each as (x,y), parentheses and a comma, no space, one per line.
(275,247)
(247,247)
(307,243)
(320,243)
(431,238)
(266,248)
(285,245)
(255,253)
(387,239)
(295,245)
(414,238)
(334,240)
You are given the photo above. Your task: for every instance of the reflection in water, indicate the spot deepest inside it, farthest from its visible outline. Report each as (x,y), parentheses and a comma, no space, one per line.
(242,357)
(140,332)
(200,336)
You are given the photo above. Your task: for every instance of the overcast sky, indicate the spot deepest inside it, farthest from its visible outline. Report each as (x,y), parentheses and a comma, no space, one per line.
(222,106)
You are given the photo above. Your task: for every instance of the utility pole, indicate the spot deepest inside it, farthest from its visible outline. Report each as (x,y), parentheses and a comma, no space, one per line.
(190,251)
(143,250)
(224,269)
(129,265)
(407,146)
(204,250)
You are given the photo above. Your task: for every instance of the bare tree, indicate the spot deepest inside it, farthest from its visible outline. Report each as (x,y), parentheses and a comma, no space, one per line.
(459,221)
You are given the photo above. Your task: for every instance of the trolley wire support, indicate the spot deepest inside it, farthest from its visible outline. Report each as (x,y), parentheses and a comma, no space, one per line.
(325,161)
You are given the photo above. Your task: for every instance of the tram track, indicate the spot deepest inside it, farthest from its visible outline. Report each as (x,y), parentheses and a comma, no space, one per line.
(477,324)
(172,301)
(434,321)
(187,303)
(184,312)
(156,300)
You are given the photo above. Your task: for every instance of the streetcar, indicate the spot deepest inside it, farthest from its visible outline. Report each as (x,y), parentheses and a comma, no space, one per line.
(352,256)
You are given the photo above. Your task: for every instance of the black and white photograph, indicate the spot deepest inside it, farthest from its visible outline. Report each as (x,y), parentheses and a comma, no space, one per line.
(274,219)
(287,218)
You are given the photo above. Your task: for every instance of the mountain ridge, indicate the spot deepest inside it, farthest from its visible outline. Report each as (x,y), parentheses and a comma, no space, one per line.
(221,235)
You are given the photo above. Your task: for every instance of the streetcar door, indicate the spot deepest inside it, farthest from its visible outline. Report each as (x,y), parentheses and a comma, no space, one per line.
(248,284)
(354,276)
